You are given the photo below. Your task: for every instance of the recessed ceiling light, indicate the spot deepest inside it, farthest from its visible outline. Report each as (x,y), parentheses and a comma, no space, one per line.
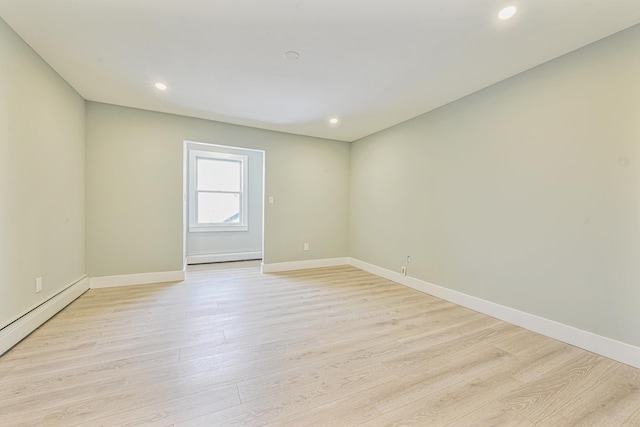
(161,86)
(333,121)
(507,12)
(291,55)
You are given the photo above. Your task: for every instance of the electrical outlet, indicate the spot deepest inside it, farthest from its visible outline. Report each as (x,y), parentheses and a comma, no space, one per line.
(38,284)
(306,247)
(403,270)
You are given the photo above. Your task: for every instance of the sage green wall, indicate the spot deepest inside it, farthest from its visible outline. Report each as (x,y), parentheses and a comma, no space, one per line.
(41,179)
(526,193)
(135,189)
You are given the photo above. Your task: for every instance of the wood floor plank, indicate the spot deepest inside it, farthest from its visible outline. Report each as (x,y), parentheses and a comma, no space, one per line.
(419,383)
(331,346)
(632,421)
(553,392)
(491,415)
(450,403)
(287,403)
(167,411)
(610,402)
(348,411)
(141,401)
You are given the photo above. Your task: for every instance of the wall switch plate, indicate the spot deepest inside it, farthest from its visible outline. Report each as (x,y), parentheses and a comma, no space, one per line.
(38,284)
(306,247)
(270,200)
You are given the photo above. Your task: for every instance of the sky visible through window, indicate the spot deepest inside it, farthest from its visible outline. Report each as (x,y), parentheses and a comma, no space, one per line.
(218,190)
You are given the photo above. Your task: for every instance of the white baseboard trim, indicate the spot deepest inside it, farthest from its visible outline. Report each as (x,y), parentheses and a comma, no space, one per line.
(237,256)
(136,279)
(303,265)
(30,321)
(598,344)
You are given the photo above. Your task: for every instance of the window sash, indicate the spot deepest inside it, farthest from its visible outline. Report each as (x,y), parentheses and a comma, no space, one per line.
(219,213)
(217,179)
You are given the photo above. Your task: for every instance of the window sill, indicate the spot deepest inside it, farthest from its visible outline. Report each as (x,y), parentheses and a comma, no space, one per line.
(217,228)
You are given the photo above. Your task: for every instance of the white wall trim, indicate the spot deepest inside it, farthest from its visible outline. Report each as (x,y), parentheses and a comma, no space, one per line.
(302,265)
(598,344)
(136,279)
(236,256)
(30,321)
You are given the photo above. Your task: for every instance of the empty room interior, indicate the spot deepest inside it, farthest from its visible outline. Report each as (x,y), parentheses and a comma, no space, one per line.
(334,213)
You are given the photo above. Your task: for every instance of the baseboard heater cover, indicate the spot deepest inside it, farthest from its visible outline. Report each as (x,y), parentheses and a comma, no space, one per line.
(17,330)
(224,257)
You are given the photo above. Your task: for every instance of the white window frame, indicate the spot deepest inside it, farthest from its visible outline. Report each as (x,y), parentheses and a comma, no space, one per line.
(243,223)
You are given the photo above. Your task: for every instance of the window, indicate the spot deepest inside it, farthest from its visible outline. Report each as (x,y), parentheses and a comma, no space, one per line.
(217,191)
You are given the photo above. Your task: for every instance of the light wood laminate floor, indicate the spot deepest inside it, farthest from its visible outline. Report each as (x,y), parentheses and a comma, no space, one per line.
(230,346)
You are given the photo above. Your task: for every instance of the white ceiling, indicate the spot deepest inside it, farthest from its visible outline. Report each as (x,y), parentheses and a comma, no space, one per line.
(372,63)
